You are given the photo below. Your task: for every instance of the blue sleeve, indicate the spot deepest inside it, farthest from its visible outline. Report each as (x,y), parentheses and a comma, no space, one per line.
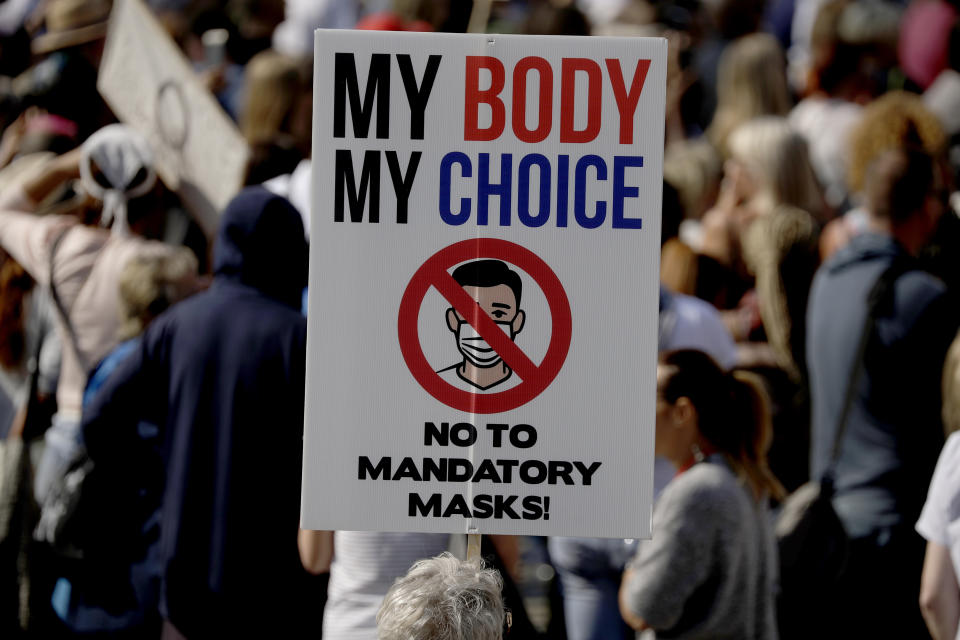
(134,391)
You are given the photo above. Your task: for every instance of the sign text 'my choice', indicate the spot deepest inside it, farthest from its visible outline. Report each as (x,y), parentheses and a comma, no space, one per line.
(471,172)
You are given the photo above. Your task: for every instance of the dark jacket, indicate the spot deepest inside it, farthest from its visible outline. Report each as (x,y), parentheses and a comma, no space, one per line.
(224,372)
(894,432)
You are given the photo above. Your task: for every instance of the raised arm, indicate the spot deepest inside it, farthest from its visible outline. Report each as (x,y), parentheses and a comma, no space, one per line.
(26,237)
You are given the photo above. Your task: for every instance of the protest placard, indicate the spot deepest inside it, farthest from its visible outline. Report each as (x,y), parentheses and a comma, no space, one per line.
(150,85)
(484,269)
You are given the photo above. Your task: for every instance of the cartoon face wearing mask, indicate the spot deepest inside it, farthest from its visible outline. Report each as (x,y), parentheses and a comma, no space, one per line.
(475,349)
(496,289)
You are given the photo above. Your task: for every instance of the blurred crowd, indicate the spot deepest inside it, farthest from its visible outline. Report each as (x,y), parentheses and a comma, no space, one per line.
(152,369)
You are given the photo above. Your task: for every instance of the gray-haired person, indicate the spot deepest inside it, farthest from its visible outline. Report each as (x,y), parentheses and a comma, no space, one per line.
(443,598)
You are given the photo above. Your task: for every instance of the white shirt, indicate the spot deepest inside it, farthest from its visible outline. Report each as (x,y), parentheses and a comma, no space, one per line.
(365,565)
(940,519)
(692,323)
(826,123)
(295,187)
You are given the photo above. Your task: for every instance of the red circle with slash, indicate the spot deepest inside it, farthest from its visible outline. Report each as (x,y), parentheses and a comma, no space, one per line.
(534,378)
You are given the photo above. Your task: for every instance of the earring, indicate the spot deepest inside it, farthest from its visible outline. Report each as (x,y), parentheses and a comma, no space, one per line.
(697,453)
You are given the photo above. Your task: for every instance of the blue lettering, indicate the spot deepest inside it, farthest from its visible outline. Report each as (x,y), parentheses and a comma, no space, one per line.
(523,197)
(446,168)
(563,189)
(485,189)
(580,192)
(621,192)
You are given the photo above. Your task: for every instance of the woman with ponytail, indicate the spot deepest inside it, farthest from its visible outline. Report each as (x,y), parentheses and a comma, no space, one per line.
(710,570)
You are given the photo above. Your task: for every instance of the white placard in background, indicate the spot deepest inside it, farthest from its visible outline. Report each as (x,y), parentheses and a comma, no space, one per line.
(150,85)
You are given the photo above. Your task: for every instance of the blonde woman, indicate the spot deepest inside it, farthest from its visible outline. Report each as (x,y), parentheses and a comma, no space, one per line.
(275,115)
(751,82)
(769,166)
(765,226)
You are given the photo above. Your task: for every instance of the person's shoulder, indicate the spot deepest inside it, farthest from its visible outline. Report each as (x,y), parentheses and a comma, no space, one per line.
(707,485)
(951,451)
(699,326)
(691,306)
(705,498)
(805,114)
(919,288)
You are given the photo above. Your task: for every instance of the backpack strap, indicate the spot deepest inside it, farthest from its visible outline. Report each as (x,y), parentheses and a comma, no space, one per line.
(58,302)
(878,302)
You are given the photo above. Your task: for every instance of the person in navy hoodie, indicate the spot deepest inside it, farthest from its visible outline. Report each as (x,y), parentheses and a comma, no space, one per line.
(222,373)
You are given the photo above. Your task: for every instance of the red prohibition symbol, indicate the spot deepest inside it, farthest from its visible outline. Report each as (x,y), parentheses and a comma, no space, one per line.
(534,378)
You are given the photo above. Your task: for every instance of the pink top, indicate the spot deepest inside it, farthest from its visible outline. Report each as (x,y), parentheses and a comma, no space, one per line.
(86,271)
(925,40)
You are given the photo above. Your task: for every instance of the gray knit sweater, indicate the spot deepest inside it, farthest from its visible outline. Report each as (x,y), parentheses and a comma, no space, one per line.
(710,570)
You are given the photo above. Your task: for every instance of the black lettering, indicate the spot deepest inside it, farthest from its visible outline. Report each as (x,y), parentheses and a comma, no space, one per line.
(529,439)
(486,471)
(498,430)
(417,96)
(457,507)
(402,182)
(378,86)
(459,470)
(507,467)
(382,468)
(561,470)
(482,506)
(435,469)
(527,469)
(458,437)
(587,472)
(503,505)
(407,469)
(531,508)
(433,434)
(429,508)
(369,182)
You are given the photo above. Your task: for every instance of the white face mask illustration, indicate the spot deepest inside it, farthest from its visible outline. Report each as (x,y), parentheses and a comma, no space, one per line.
(475,349)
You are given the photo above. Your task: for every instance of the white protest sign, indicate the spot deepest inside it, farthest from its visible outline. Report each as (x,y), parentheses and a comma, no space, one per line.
(151,86)
(484,271)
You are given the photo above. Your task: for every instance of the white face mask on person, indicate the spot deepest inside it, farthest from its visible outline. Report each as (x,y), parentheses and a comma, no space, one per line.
(475,349)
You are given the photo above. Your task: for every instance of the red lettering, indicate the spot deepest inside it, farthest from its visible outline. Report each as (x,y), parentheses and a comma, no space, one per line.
(627,102)
(568,99)
(545,117)
(474,96)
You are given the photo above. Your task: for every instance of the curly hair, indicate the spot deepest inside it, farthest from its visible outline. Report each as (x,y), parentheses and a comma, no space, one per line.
(779,158)
(896,120)
(443,598)
(150,284)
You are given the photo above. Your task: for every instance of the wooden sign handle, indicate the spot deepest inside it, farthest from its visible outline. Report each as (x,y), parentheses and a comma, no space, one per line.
(473,546)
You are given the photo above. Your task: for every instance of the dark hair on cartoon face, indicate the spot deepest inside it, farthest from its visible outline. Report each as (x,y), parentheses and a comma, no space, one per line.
(488,273)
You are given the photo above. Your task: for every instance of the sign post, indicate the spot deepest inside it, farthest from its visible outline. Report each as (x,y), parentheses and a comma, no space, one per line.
(484,281)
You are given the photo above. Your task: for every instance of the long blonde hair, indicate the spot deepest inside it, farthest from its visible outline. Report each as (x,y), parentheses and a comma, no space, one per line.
(751,82)
(273,87)
(778,158)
